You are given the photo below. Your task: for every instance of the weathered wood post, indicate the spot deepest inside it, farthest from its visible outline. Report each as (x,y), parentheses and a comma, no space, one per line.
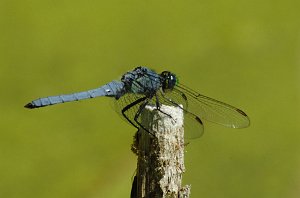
(160,157)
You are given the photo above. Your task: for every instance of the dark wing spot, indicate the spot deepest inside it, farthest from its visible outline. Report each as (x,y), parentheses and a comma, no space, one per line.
(198,119)
(241,112)
(184,96)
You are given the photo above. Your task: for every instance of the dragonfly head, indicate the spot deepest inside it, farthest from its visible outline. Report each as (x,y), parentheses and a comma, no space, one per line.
(169,80)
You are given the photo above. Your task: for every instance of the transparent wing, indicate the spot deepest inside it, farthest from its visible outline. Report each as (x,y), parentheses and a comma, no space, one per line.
(128,99)
(122,102)
(192,123)
(213,110)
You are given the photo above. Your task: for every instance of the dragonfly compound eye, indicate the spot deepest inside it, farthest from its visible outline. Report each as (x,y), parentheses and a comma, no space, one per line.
(169,80)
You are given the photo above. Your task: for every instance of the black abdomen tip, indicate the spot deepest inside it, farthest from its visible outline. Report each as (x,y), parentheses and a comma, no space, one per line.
(30,106)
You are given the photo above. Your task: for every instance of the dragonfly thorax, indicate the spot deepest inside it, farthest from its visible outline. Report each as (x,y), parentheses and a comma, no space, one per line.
(169,81)
(141,81)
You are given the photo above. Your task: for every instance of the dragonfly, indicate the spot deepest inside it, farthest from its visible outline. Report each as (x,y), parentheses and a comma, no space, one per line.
(143,86)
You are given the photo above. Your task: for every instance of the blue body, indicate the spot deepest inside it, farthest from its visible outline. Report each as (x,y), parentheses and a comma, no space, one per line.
(138,81)
(143,86)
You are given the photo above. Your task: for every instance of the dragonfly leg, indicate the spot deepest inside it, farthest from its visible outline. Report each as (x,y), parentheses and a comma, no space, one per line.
(158,107)
(130,106)
(138,113)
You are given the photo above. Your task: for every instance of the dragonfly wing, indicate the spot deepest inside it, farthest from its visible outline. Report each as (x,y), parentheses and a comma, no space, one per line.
(214,110)
(131,98)
(192,123)
(122,102)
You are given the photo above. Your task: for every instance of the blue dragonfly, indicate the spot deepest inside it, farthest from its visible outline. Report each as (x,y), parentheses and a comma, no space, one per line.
(142,86)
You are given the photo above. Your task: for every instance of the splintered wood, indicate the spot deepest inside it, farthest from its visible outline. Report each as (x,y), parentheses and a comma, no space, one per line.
(160,154)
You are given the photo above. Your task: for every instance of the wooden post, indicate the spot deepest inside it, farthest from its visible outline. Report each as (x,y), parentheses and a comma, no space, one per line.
(160,157)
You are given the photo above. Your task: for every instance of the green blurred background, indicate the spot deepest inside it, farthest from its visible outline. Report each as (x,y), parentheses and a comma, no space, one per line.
(246,53)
